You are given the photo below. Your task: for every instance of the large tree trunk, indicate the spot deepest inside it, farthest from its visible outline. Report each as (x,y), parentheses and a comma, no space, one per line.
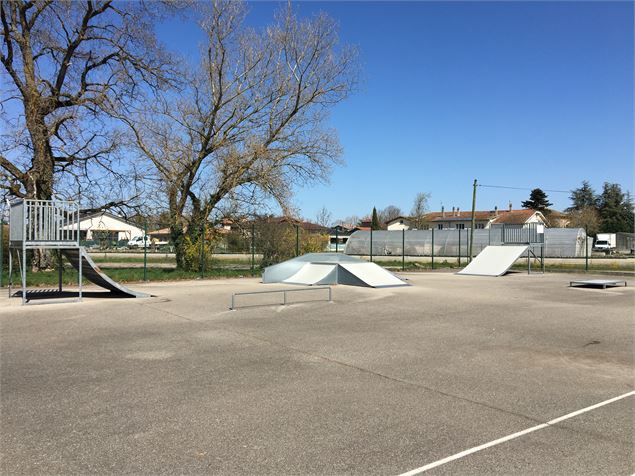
(40,180)
(40,176)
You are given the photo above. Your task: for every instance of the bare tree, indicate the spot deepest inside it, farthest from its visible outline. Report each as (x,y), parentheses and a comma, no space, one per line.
(250,123)
(419,209)
(586,217)
(69,65)
(389,213)
(352,220)
(324,217)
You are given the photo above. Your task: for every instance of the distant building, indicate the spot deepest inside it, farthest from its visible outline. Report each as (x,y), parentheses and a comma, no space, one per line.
(399,223)
(457,219)
(104,226)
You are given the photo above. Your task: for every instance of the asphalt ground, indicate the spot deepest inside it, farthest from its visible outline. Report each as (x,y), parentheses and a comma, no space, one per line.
(380,381)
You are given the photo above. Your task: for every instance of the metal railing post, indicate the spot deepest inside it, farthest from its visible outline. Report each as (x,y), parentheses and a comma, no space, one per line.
(371,245)
(337,239)
(297,240)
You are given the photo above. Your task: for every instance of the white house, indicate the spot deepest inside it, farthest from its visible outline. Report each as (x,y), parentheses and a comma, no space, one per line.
(399,223)
(106,226)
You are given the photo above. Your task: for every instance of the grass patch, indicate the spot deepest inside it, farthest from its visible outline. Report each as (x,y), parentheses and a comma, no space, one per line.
(418,266)
(126,275)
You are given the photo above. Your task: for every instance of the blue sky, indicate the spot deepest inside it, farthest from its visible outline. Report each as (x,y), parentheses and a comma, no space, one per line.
(520,94)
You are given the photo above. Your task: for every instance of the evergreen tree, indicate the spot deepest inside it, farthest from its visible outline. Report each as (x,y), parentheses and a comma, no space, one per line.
(374,223)
(537,201)
(583,197)
(616,210)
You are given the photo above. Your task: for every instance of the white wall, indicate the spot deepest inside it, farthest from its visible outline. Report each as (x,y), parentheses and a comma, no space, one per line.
(125,231)
(397,226)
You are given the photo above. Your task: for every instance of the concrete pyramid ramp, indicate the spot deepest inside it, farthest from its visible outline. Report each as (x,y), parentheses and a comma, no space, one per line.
(494,260)
(92,273)
(314,273)
(330,268)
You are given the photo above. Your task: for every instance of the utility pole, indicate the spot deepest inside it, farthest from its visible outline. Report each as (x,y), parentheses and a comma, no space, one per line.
(473,220)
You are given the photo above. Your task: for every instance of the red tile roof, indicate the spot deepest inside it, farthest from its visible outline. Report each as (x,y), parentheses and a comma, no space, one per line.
(511,217)
(514,217)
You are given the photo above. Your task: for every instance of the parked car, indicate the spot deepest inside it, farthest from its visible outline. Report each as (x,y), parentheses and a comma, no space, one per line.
(139,242)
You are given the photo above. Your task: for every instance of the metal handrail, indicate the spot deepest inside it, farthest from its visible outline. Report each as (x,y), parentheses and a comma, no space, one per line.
(284,294)
(44,222)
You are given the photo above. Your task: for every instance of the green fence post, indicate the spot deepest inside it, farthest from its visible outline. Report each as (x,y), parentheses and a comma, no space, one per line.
(459,247)
(1,249)
(297,240)
(201,252)
(432,250)
(253,248)
(371,245)
(586,251)
(403,249)
(59,271)
(145,250)
(337,239)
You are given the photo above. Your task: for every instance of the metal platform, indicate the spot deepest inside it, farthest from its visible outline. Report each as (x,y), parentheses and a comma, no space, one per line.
(53,225)
(598,283)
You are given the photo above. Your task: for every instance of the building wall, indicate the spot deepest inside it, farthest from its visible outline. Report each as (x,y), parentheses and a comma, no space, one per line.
(125,231)
(398,226)
(450,225)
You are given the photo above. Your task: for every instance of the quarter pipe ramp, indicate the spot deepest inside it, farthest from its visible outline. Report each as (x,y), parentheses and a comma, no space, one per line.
(78,257)
(494,260)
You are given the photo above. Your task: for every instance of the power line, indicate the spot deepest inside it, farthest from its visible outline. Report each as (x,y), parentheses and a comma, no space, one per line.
(523,188)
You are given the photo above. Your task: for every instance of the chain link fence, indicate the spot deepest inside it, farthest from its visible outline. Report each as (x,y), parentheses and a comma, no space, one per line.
(210,253)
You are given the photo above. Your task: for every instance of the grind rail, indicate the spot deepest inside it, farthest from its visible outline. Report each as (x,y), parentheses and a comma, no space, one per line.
(284,295)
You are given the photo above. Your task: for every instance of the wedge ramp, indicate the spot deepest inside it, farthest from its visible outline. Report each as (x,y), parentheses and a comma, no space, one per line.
(494,260)
(314,273)
(79,257)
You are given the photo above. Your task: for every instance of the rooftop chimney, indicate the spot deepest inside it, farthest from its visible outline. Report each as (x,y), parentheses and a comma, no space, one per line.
(495,210)
(510,206)
(453,211)
(442,211)
(458,212)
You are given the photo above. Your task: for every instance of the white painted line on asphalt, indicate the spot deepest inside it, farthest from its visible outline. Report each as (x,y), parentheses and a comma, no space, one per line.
(513,436)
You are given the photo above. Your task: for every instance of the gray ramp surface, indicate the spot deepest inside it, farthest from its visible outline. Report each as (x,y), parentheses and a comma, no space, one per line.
(92,273)
(330,268)
(494,260)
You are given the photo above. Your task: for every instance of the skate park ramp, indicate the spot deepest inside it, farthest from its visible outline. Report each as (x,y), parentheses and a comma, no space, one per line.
(494,260)
(92,273)
(330,268)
